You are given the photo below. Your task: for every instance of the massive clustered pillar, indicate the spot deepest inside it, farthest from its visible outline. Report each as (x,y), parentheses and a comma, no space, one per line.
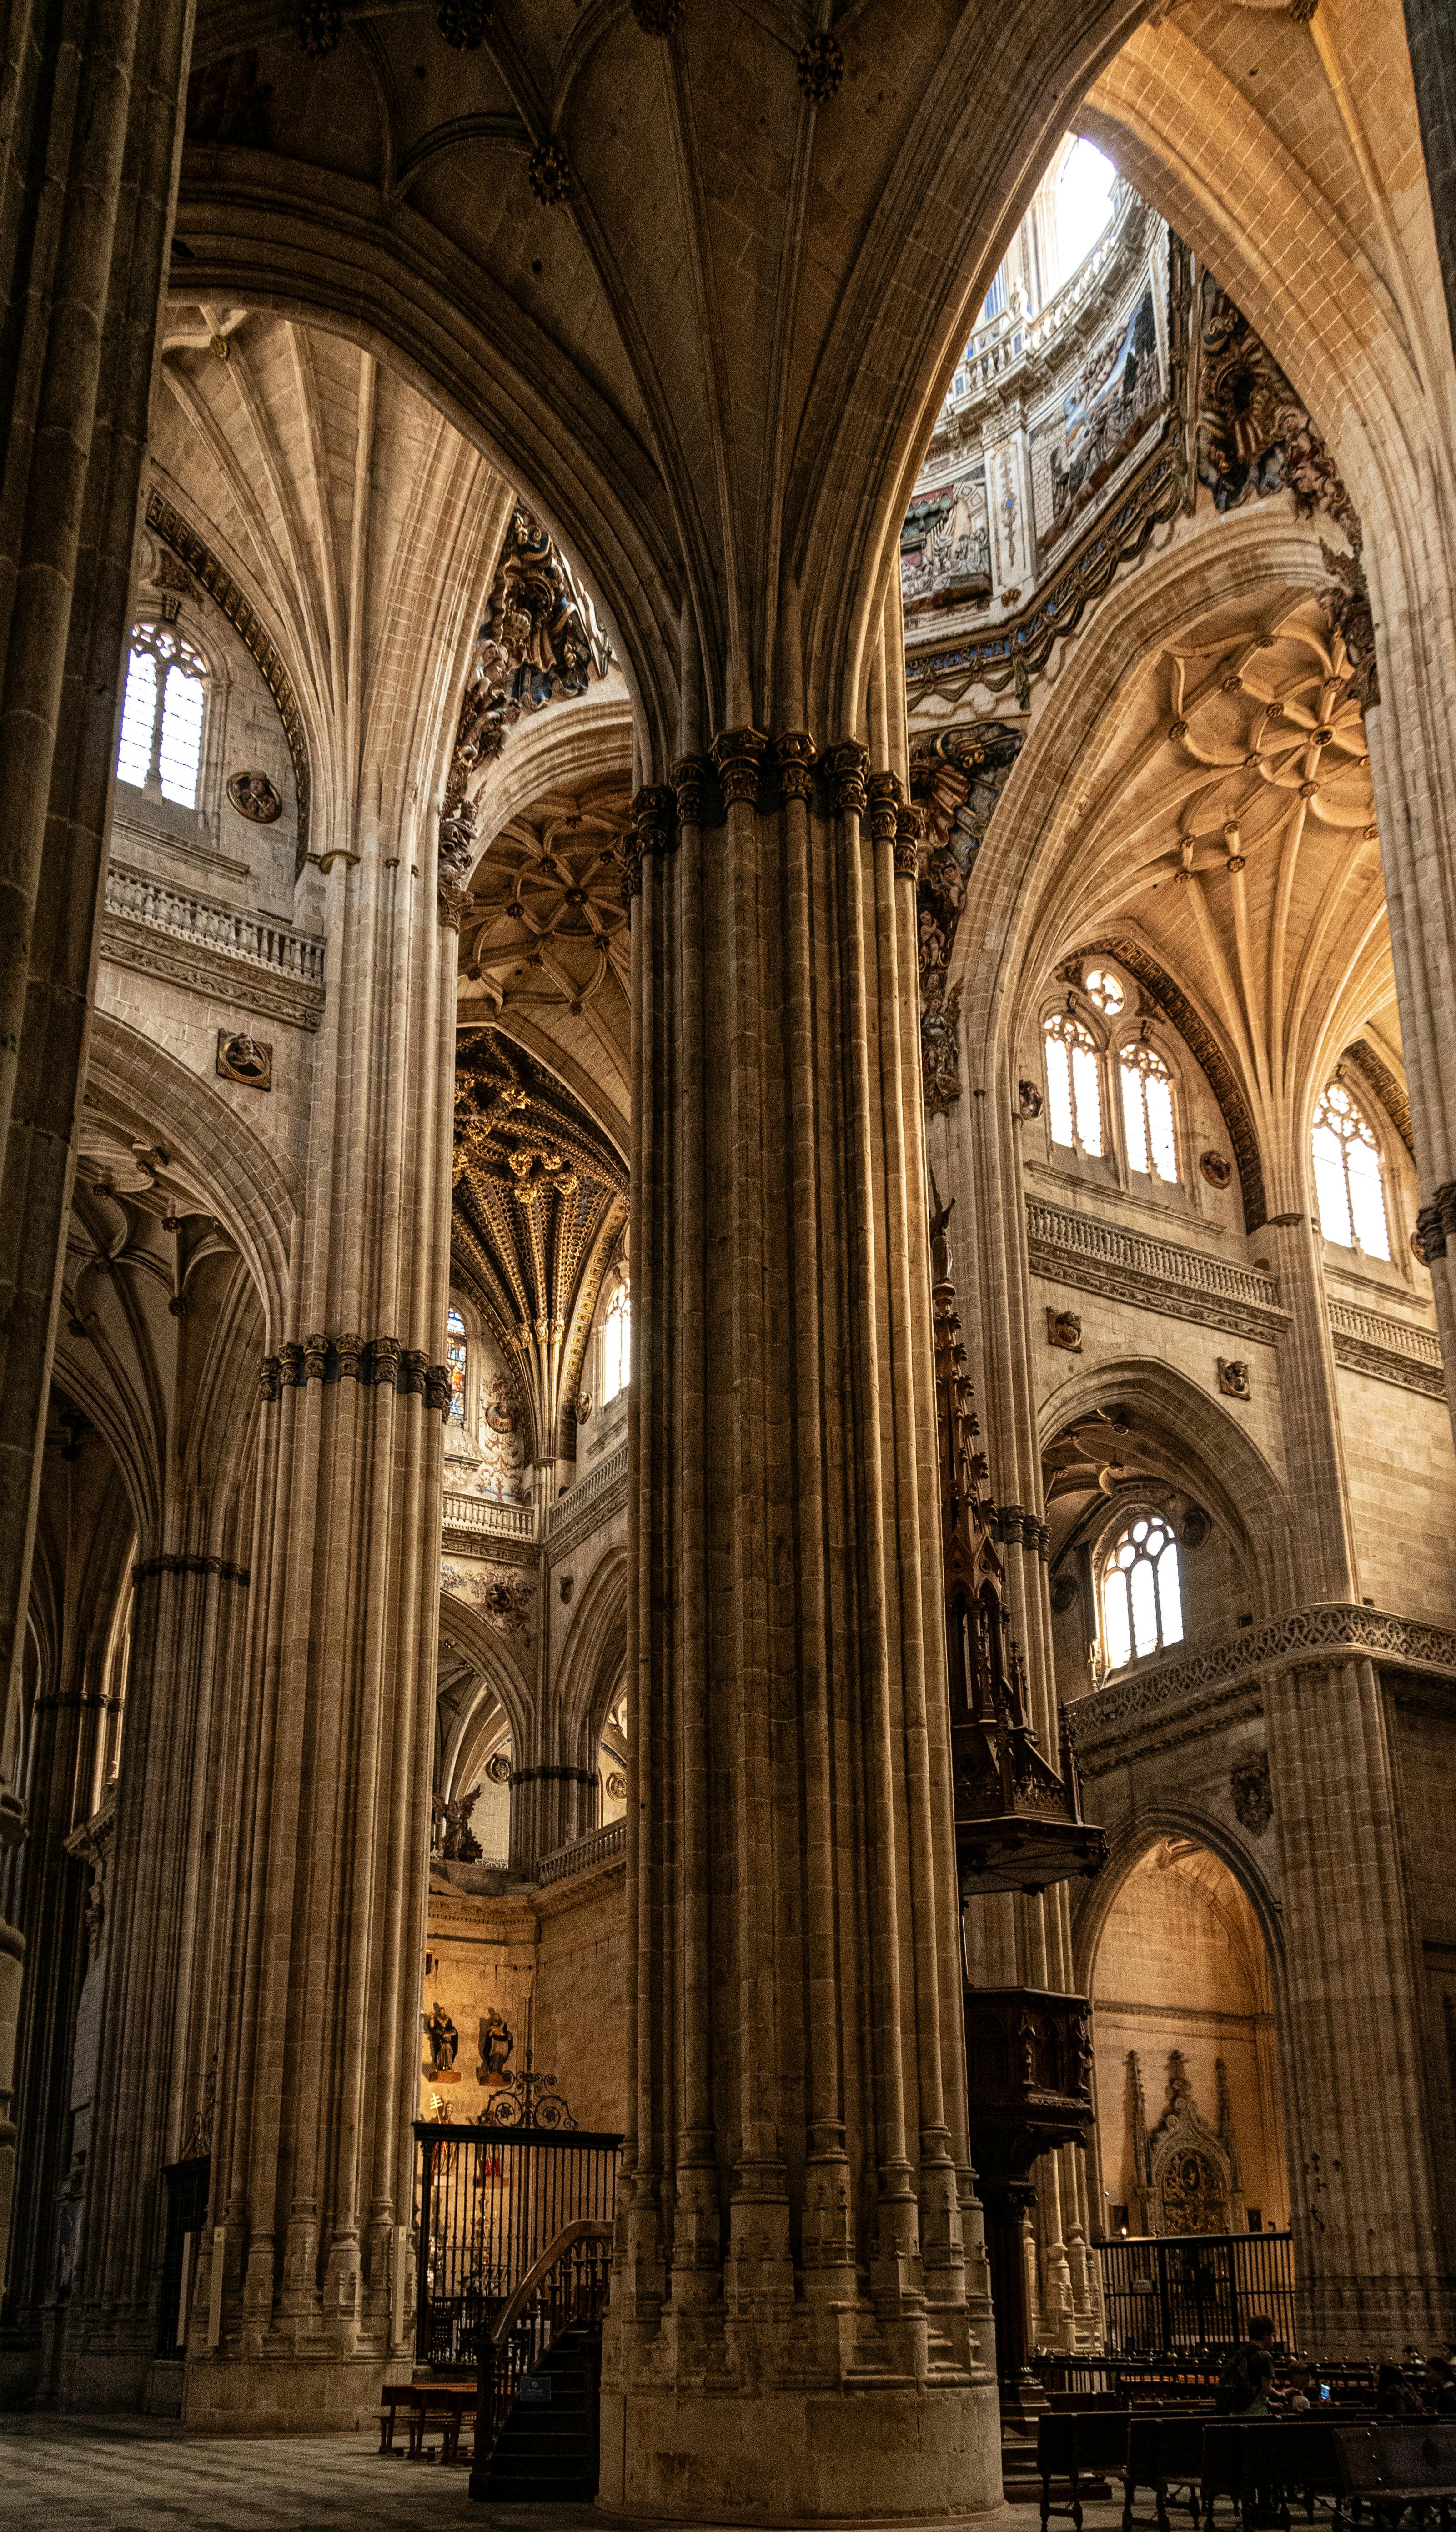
(798,2301)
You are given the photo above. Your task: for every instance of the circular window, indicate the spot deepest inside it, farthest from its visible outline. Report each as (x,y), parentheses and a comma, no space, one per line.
(1105,991)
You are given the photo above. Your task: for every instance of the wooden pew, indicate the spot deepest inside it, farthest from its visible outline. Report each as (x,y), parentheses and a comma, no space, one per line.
(1391,2463)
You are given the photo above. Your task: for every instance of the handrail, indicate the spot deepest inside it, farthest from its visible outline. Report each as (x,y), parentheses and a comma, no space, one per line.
(582,2228)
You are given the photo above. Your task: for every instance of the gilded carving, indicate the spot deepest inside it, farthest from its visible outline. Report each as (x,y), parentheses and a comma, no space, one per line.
(254,796)
(550,172)
(820,68)
(956,777)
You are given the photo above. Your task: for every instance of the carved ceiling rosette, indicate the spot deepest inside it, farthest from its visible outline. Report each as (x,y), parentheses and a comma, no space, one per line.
(539,1198)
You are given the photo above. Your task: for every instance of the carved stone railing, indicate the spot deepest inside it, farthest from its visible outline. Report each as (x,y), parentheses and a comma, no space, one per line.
(1151,1708)
(202,944)
(1157,1274)
(598,1846)
(1387,1349)
(592,1499)
(1006,340)
(205,921)
(480,1516)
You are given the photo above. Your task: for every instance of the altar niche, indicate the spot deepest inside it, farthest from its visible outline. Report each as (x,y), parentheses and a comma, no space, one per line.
(1190,2132)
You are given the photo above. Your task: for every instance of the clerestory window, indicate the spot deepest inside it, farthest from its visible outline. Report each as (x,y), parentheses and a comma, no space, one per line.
(616,1344)
(162,714)
(1349,1182)
(1147,1113)
(1073,1084)
(1142,1592)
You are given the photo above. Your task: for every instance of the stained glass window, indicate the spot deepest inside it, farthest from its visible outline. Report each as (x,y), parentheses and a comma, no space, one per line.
(1073,1089)
(1348,1179)
(1141,1594)
(161,714)
(1147,1113)
(455,1350)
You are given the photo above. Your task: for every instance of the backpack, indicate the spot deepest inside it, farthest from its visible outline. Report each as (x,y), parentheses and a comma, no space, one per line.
(1234,2389)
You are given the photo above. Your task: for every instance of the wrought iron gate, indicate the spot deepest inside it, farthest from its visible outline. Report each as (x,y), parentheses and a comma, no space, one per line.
(1167,2293)
(491,2200)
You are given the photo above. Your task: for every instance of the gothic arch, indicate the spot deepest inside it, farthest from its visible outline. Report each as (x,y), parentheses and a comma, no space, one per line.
(1127,1845)
(151,1097)
(1230,1469)
(462,1631)
(593,1658)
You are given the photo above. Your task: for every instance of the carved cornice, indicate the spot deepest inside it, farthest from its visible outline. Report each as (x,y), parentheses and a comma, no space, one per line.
(1387,1349)
(136,945)
(1382,1084)
(1113,1723)
(1209,1057)
(152,1566)
(1153,1274)
(168,524)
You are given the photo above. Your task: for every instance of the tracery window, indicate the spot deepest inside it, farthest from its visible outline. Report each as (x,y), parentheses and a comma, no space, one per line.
(1105,990)
(161,714)
(1147,1113)
(456,1355)
(1142,1592)
(1348,1179)
(616,1344)
(1072,1083)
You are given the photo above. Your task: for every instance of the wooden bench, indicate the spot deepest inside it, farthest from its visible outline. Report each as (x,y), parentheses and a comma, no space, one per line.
(1077,2445)
(1257,2461)
(1391,2463)
(1165,2449)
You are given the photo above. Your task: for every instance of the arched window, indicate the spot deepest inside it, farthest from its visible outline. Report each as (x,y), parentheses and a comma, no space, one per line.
(1073,1089)
(1147,1113)
(616,1344)
(455,1356)
(1141,1595)
(161,714)
(1347,1180)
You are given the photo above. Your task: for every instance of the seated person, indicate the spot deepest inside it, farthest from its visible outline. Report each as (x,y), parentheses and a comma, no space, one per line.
(1298,2391)
(1440,2386)
(1395,2398)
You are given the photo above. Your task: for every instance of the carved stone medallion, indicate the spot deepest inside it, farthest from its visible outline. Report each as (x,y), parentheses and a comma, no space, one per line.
(248,1060)
(1253,1794)
(254,796)
(1233,1379)
(1064,1330)
(1216,1167)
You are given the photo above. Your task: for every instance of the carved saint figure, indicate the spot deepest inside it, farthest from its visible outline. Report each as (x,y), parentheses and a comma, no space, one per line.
(497,2043)
(245,1058)
(442,2041)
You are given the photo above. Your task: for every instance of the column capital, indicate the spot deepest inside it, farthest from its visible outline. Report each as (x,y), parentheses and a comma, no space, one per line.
(848,764)
(737,754)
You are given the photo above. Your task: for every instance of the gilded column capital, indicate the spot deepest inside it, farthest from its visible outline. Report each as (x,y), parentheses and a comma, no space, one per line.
(350,1350)
(291,1365)
(628,856)
(883,793)
(269,1377)
(316,1357)
(413,1366)
(1436,1224)
(848,764)
(794,755)
(909,828)
(454,903)
(739,756)
(688,777)
(437,1388)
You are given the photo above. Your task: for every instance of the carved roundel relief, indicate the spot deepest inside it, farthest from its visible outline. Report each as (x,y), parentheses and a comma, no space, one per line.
(1216,1167)
(254,796)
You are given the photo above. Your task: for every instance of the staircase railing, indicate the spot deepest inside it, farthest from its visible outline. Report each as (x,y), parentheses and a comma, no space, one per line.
(565,2289)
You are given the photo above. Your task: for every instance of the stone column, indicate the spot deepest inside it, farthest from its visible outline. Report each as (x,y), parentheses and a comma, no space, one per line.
(1367,2236)
(314,2154)
(800,2260)
(188,1620)
(90,149)
(87,1528)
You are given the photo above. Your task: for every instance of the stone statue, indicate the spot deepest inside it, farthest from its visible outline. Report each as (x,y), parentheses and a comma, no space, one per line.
(442,2041)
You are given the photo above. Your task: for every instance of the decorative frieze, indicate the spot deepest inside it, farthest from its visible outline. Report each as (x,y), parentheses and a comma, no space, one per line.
(1386,1348)
(376,1362)
(1170,1702)
(1152,1274)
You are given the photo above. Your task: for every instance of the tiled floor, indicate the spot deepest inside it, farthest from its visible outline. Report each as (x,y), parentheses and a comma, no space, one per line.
(141,2475)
